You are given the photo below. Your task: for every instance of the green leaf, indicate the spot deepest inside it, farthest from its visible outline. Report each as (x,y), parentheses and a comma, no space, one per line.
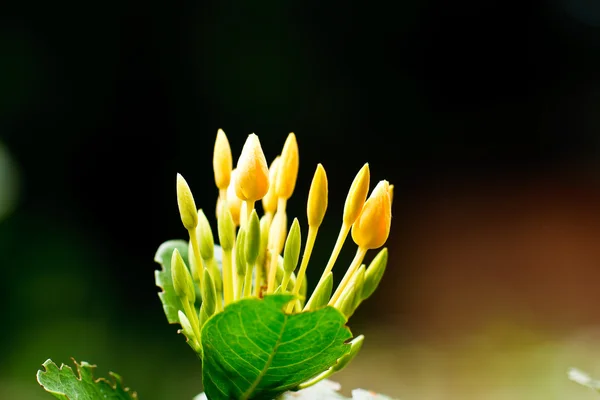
(584,379)
(170,300)
(65,385)
(324,390)
(253,350)
(164,280)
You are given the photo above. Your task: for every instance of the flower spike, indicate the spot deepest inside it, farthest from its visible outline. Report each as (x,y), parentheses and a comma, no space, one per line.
(215,291)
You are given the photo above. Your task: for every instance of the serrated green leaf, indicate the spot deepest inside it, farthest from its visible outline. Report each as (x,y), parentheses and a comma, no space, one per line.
(168,297)
(584,379)
(64,384)
(324,390)
(253,350)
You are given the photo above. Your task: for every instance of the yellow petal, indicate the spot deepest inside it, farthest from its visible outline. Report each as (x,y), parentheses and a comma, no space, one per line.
(278,232)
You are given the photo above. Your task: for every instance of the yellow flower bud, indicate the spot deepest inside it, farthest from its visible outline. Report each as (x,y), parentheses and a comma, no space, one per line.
(233,201)
(391,189)
(243,214)
(252,181)
(278,232)
(218,207)
(222,163)
(288,168)
(372,227)
(357,195)
(187,206)
(317,198)
(269,202)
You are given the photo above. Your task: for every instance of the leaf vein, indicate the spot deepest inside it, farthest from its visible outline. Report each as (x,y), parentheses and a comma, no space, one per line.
(235,353)
(249,339)
(313,356)
(247,394)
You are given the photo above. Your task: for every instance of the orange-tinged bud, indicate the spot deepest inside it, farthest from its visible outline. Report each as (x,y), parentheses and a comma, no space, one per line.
(222,163)
(357,195)
(269,202)
(252,181)
(288,168)
(317,198)
(372,227)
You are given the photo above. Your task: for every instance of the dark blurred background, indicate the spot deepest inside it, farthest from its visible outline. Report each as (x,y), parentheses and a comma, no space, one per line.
(484,115)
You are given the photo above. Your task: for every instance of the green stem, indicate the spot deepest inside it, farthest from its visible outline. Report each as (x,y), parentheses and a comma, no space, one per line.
(285,282)
(248,280)
(192,317)
(344,230)
(197,257)
(310,242)
(258,281)
(358,258)
(227,277)
(272,272)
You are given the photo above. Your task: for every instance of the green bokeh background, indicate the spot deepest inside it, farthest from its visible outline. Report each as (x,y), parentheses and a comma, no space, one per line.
(484,116)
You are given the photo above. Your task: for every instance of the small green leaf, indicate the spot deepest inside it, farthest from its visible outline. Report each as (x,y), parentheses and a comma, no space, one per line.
(584,379)
(65,385)
(253,350)
(171,302)
(324,390)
